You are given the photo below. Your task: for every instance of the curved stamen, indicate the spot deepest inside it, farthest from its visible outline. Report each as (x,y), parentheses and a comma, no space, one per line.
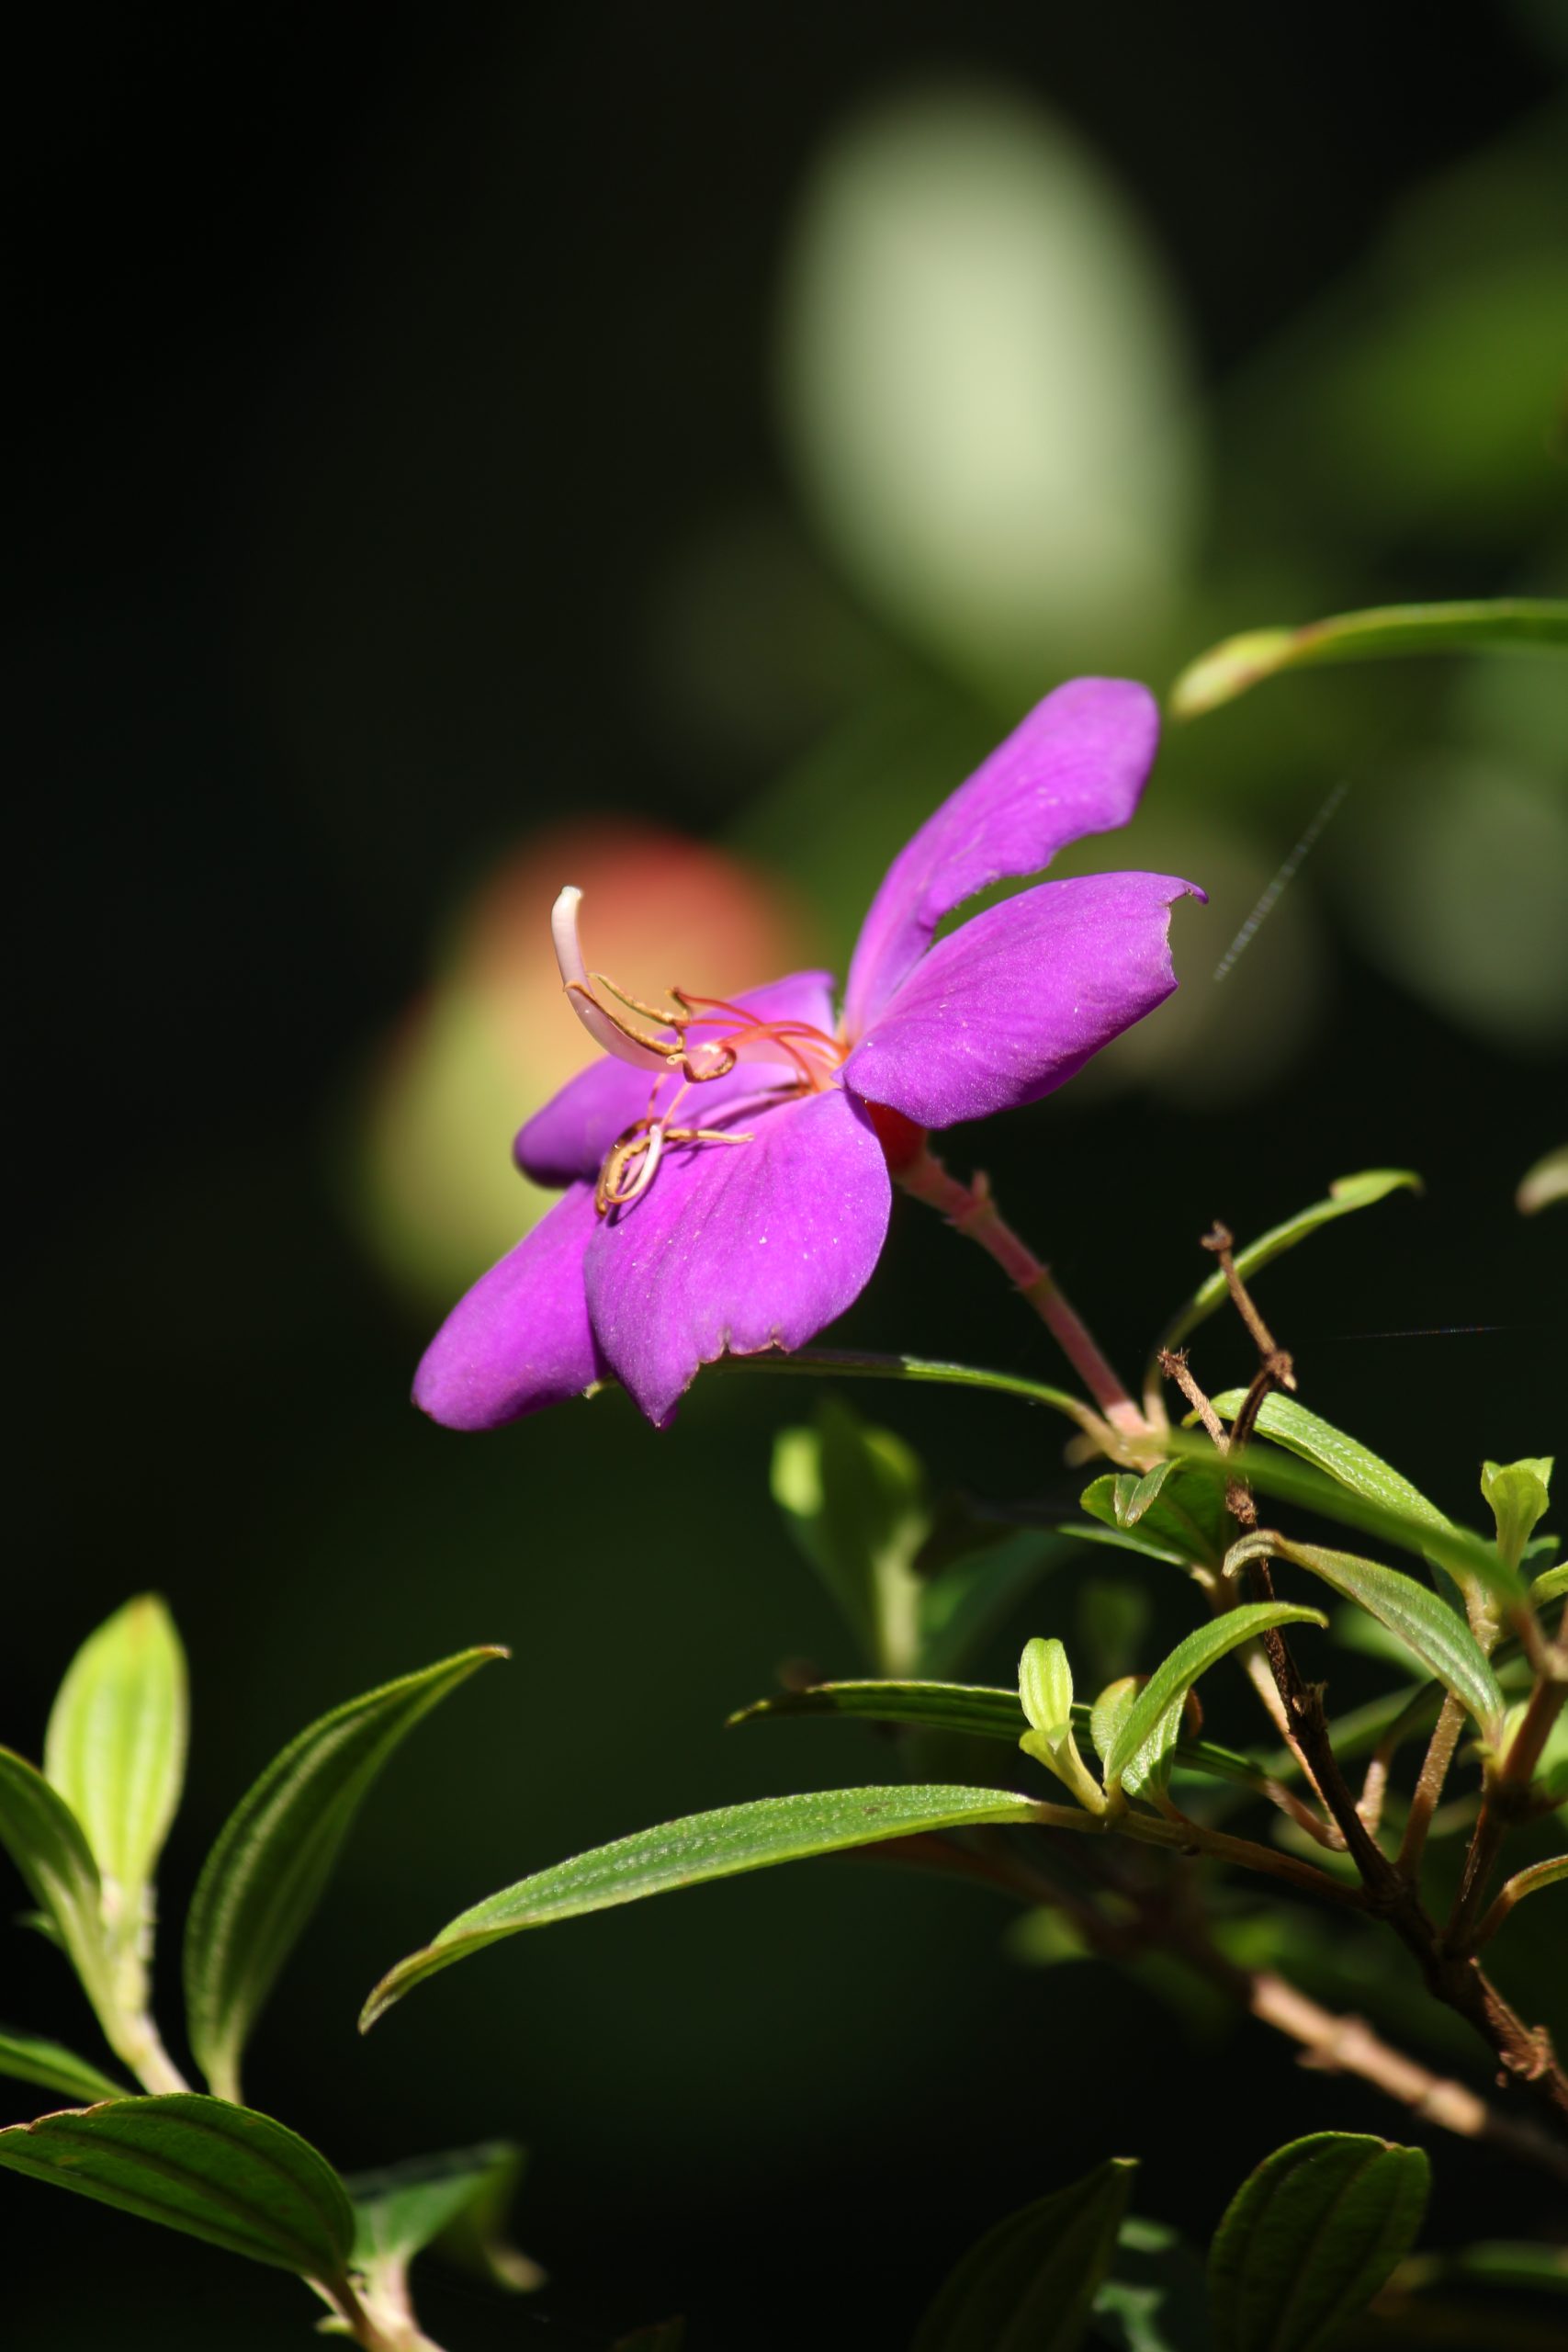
(643,1050)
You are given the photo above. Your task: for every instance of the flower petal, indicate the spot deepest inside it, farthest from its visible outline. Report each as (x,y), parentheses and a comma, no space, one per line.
(521,1337)
(570,1136)
(739,1247)
(1075,766)
(1017,1000)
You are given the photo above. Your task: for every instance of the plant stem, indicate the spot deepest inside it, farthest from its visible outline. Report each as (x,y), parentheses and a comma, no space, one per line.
(970,1210)
(1499,1809)
(1429,1787)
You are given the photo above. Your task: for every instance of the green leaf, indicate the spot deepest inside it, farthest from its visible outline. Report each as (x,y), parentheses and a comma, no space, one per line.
(1346,1194)
(1029,2285)
(1503,623)
(1110,1712)
(46,1841)
(273,1855)
(1551,1585)
(456,2203)
(1346,1461)
(1310,2237)
(222,2173)
(1520,1495)
(977,1710)
(1149,1729)
(1457,1549)
(854,1498)
(684,1853)
(1431,1631)
(963,1602)
(116,1744)
(24,2058)
(1183,1516)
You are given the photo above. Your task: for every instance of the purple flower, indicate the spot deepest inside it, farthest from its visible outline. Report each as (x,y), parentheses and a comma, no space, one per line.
(725,1166)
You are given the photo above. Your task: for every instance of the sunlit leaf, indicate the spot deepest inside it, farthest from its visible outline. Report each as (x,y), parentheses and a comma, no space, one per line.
(685,1853)
(273,1855)
(1346,1194)
(457,2203)
(1431,1631)
(1345,1458)
(979,1710)
(1520,1495)
(1551,1585)
(47,1843)
(116,1744)
(1029,2285)
(1457,1549)
(1497,625)
(1149,1731)
(854,1498)
(1110,1712)
(854,1364)
(1310,2237)
(24,2058)
(219,2172)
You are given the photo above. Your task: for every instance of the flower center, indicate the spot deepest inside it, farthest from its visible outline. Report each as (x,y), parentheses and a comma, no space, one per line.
(700,1037)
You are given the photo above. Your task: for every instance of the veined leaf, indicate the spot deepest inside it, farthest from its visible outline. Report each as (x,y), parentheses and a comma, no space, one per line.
(1346,1460)
(1346,1194)
(684,1853)
(1431,1631)
(1457,1549)
(1499,624)
(975,1708)
(1308,2240)
(116,1744)
(1149,1729)
(46,1841)
(219,2172)
(1029,2285)
(456,2203)
(24,2058)
(266,1874)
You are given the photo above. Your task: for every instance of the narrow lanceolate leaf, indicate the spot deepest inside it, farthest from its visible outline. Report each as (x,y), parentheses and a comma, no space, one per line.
(704,1846)
(1180,1515)
(979,1710)
(116,1744)
(1308,2240)
(1029,2285)
(1457,1549)
(456,2203)
(264,1875)
(222,2173)
(1489,625)
(1431,1631)
(1552,1585)
(46,1841)
(1346,1194)
(24,2058)
(1148,1730)
(1346,1461)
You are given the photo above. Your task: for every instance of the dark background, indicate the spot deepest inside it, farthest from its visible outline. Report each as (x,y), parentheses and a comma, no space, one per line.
(374,363)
